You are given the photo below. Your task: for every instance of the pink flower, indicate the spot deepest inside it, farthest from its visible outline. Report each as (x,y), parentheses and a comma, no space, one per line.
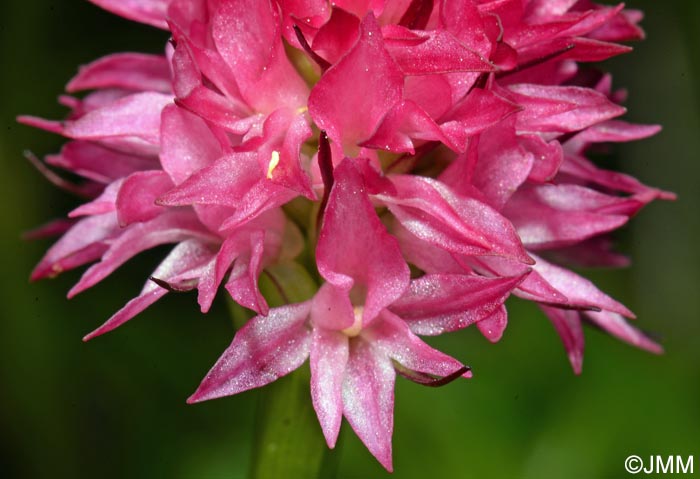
(452,137)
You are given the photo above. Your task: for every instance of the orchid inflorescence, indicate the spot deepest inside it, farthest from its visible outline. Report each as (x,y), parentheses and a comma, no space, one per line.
(429,158)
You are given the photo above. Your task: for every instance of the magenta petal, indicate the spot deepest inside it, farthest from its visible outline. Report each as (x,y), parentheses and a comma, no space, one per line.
(129,71)
(549,216)
(352,96)
(579,291)
(329,356)
(243,281)
(331,307)
(224,182)
(136,115)
(265,349)
(83,243)
(97,163)
(392,335)
(368,398)
(136,200)
(493,326)
(150,12)
(247,35)
(568,326)
(616,325)
(183,258)
(105,203)
(403,124)
(462,225)
(561,108)
(533,288)
(337,36)
(438,303)
(502,166)
(187,144)
(353,243)
(171,227)
(438,52)
(480,110)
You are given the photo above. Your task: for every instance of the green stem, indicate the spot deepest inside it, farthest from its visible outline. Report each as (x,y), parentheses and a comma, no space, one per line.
(288,440)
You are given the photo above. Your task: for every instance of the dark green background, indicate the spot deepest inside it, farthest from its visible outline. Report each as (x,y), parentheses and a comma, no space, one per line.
(115,407)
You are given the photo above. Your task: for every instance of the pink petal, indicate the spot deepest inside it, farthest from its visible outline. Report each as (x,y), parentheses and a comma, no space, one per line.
(183,258)
(171,227)
(129,71)
(438,52)
(352,96)
(136,115)
(502,166)
(493,326)
(136,200)
(561,109)
(402,125)
(393,336)
(329,357)
(337,36)
(97,163)
(438,303)
(549,216)
(331,307)
(461,225)
(368,398)
(616,325)
(150,12)
(187,144)
(83,243)
(247,35)
(568,326)
(105,203)
(354,244)
(265,349)
(243,282)
(480,110)
(579,291)
(236,181)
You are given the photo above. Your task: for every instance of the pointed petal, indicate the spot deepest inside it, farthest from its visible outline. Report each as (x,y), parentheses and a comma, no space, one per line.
(150,12)
(551,216)
(136,115)
(97,163)
(184,257)
(172,227)
(493,326)
(83,243)
(247,34)
(438,303)
(129,71)
(136,200)
(368,399)
(243,282)
(579,291)
(393,336)
(568,325)
(329,357)
(265,349)
(561,109)
(370,83)
(354,244)
(187,144)
(616,325)
(459,224)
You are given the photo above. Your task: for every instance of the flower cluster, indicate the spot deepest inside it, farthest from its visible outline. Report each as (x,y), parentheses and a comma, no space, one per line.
(429,156)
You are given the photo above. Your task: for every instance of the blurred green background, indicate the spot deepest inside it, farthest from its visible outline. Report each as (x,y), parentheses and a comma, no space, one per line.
(115,407)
